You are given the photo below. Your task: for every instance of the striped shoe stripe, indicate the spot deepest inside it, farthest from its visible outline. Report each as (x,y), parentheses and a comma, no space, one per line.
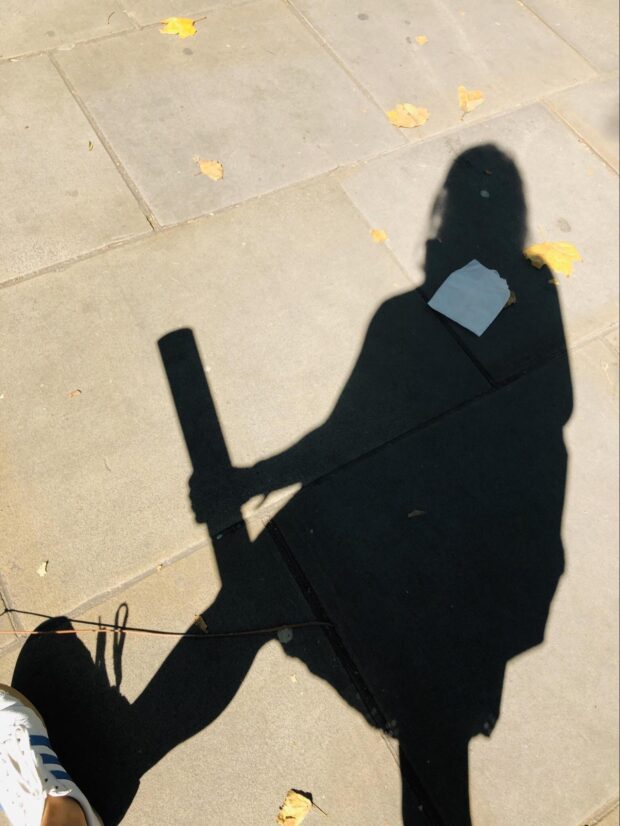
(50,759)
(60,775)
(39,740)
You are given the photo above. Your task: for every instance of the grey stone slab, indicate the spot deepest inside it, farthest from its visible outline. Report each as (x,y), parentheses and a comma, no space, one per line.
(59,198)
(592,110)
(472,573)
(150,11)
(501,49)
(249,717)
(33,27)
(542,184)
(592,30)
(253,90)
(279,294)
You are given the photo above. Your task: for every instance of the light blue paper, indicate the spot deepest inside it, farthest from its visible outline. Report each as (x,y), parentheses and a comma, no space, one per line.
(473,297)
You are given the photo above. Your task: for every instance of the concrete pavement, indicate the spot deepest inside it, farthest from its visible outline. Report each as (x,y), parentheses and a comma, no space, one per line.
(445,505)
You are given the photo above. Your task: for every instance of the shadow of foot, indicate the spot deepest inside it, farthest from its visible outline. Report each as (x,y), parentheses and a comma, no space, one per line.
(88,720)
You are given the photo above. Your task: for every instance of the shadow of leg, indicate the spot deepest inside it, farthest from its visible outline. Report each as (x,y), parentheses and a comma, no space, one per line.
(90,724)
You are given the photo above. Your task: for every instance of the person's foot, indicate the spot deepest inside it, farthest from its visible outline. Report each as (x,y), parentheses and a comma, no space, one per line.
(90,722)
(30,771)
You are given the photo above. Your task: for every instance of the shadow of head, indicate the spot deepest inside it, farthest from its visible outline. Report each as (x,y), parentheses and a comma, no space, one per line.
(479,212)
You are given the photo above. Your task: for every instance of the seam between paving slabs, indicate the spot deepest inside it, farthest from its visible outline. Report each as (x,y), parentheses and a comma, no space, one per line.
(365,693)
(557,34)
(129,182)
(331,52)
(550,106)
(343,169)
(135,27)
(601,814)
(103,596)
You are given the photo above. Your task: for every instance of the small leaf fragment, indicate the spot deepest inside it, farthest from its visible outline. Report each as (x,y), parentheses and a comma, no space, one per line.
(407,116)
(421,39)
(201,624)
(212,169)
(378,235)
(469,99)
(74,393)
(91,146)
(294,809)
(42,569)
(557,255)
(512,299)
(183,26)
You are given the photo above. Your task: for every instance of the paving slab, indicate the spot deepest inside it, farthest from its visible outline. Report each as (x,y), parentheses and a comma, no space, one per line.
(612,339)
(32,27)
(254,91)
(61,197)
(501,49)
(152,11)
(592,30)
(486,193)
(439,559)
(247,716)
(279,294)
(592,110)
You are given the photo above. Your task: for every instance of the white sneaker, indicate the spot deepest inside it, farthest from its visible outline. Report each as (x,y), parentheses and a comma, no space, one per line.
(29,767)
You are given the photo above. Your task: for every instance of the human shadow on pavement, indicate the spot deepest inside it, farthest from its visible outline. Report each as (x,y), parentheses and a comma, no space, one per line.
(434,549)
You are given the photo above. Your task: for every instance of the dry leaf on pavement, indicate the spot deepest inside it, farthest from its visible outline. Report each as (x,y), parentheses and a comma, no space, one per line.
(557,255)
(378,235)
(421,39)
(294,809)
(470,99)
(200,623)
(407,116)
(212,169)
(42,569)
(182,26)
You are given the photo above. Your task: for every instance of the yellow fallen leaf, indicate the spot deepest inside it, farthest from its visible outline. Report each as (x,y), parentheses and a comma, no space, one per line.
(294,809)
(42,569)
(469,99)
(421,39)
(91,146)
(407,116)
(557,255)
(212,169)
(378,235)
(182,26)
